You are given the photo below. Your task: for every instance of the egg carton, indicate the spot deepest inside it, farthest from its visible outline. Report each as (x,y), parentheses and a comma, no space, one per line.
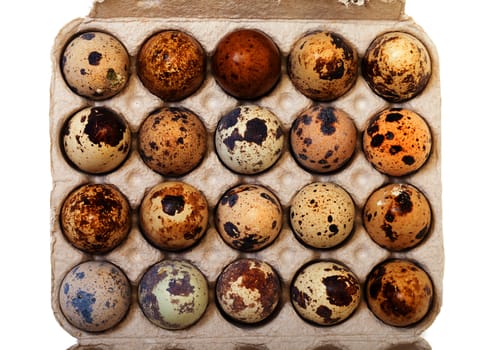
(360,22)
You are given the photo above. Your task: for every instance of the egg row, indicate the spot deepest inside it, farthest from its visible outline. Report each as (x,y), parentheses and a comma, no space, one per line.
(249,139)
(174,216)
(246,64)
(95,296)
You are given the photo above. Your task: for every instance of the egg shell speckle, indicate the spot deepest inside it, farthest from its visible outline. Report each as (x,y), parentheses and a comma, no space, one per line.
(95,65)
(174,215)
(322,215)
(96,140)
(95,218)
(173,294)
(397,216)
(325,293)
(397,141)
(249,139)
(399,292)
(248,290)
(249,217)
(323,139)
(95,296)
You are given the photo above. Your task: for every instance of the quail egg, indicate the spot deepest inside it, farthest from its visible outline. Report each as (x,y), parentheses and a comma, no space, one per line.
(399,292)
(323,139)
(322,215)
(397,66)
(249,139)
(397,216)
(325,293)
(95,218)
(171,64)
(172,141)
(95,296)
(249,217)
(173,215)
(95,65)
(173,294)
(248,291)
(323,66)
(96,140)
(246,63)
(397,141)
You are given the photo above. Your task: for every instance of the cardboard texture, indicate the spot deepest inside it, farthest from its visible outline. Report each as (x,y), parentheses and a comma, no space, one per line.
(284,21)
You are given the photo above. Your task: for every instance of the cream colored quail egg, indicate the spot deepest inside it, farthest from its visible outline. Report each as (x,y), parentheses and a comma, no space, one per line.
(95,65)
(249,139)
(325,293)
(95,296)
(96,140)
(249,217)
(322,215)
(173,294)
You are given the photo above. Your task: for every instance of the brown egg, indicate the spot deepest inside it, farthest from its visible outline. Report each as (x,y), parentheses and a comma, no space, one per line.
(397,216)
(249,217)
(323,66)
(172,141)
(323,139)
(173,215)
(246,63)
(397,141)
(248,291)
(397,66)
(171,64)
(95,218)
(399,292)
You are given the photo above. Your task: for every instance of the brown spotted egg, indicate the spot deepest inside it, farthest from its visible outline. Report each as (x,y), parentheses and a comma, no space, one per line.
(95,218)
(322,215)
(323,66)
(397,66)
(95,65)
(172,141)
(397,216)
(173,215)
(325,293)
(323,139)
(399,292)
(397,141)
(248,291)
(249,217)
(249,139)
(96,140)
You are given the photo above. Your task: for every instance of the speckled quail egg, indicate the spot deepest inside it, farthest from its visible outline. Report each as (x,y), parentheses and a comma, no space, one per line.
(397,141)
(325,293)
(323,66)
(171,64)
(397,66)
(95,65)
(399,292)
(397,216)
(173,294)
(246,63)
(96,140)
(95,296)
(249,139)
(248,291)
(323,139)
(249,217)
(95,218)
(172,141)
(173,215)
(322,215)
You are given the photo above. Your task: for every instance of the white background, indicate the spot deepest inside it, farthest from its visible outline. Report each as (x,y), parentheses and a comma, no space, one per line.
(463,32)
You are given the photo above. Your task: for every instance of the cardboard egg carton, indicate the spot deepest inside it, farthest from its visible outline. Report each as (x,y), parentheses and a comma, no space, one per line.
(285,22)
